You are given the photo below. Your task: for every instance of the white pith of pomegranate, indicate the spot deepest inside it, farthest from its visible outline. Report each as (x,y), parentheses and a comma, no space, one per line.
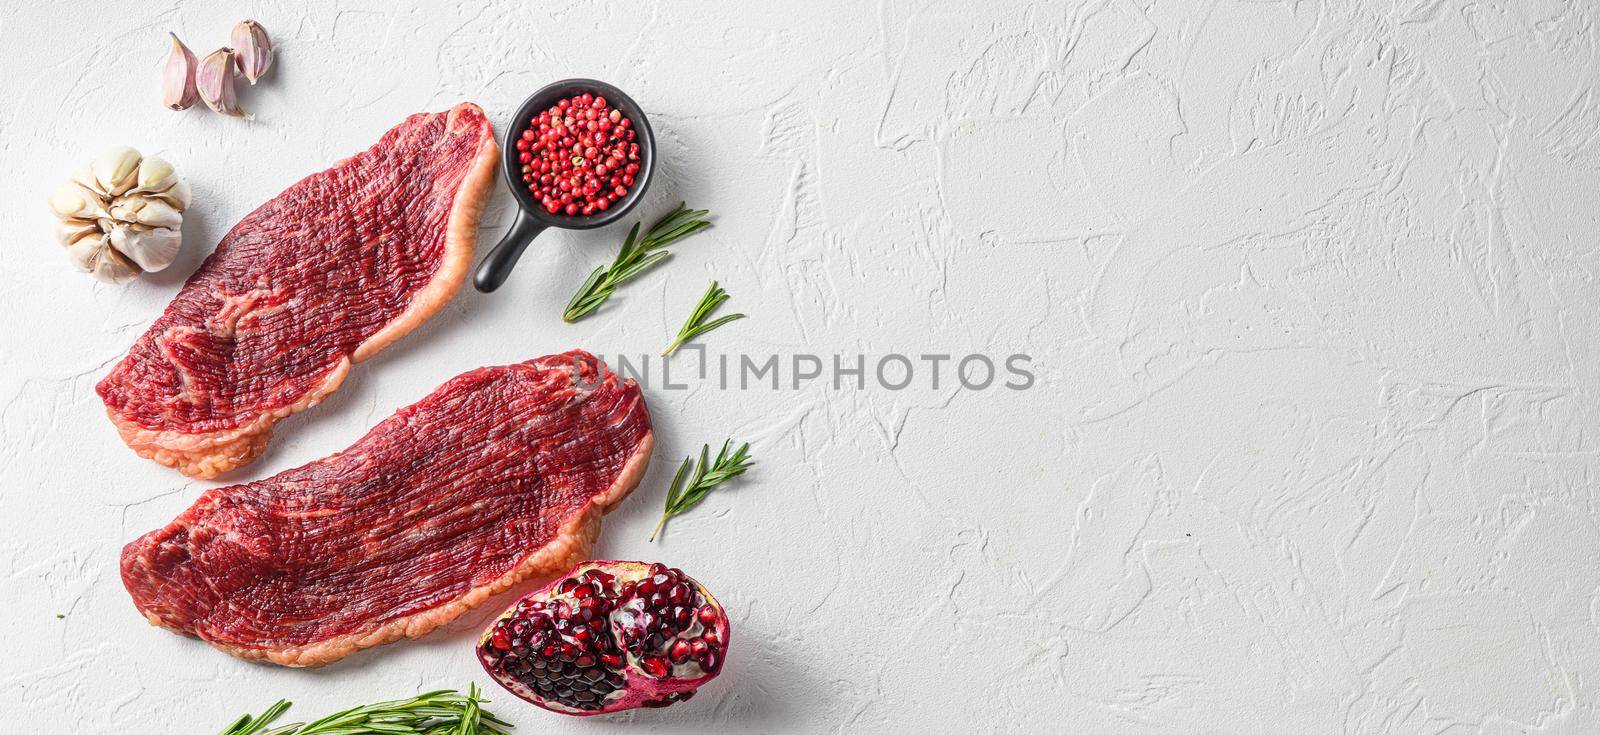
(608,636)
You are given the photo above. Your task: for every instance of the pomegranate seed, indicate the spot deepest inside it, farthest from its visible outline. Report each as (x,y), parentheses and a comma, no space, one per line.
(680,652)
(698,648)
(655,666)
(707,615)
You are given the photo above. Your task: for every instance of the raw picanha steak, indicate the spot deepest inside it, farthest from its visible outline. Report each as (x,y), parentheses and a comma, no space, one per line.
(501,475)
(324,275)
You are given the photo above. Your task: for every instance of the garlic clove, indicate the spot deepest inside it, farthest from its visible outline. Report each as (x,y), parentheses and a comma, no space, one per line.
(70,231)
(253,49)
(84,177)
(178,90)
(96,257)
(145,210)
(154,174)
(125,209)
(72,199)
(115,170)
(110,266)
(152,250)
(215,80)
(83,252)
(176,194)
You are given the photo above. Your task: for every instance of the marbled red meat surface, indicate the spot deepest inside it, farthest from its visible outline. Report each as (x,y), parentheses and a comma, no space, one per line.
(500,475)
(325,274)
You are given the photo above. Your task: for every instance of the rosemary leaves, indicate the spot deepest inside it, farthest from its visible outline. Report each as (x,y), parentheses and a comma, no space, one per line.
(442,712)
(697,324)
(638,255)
(687,490)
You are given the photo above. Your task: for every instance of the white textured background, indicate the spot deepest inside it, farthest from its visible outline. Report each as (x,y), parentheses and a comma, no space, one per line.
(1310,288)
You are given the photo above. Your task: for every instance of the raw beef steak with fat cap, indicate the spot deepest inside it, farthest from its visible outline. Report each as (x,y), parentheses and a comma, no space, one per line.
(500,476)
(324,275)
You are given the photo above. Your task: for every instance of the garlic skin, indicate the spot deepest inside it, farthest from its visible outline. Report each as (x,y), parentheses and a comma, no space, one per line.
(178,91)
(121,215)
(99,259)
(215,82)
(153,249)
(252,48)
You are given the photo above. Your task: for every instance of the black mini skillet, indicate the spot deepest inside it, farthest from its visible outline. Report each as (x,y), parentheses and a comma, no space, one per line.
(532,218)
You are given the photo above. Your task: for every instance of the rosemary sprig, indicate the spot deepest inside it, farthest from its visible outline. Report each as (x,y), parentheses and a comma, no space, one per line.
(247,725)
(442,712)
(637,255)
(687,491)
(697,324)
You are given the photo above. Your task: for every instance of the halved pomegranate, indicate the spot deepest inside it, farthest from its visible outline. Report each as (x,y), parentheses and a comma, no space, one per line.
(608,636)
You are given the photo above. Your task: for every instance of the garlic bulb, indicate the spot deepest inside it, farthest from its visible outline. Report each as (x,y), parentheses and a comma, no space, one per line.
(122,215)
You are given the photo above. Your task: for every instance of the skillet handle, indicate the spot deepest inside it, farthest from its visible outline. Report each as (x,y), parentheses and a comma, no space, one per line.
(496,268)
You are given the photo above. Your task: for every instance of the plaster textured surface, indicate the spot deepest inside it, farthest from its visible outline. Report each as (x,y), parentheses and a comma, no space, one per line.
(1309,288)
